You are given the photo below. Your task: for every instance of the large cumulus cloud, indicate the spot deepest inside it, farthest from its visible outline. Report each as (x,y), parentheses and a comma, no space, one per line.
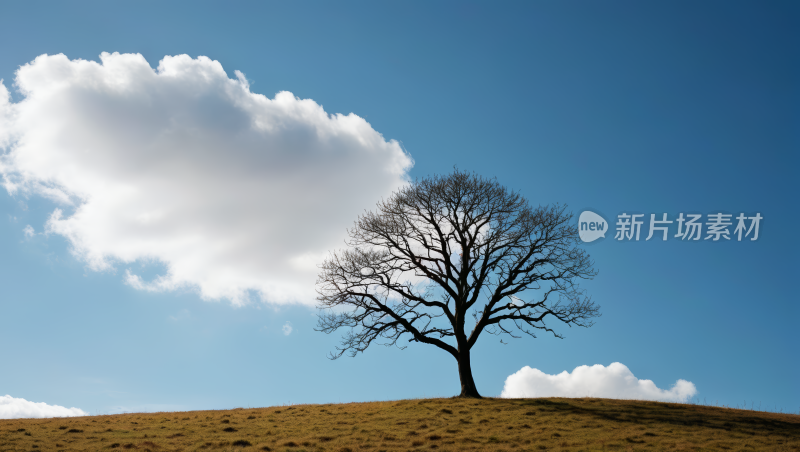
(235,193)
(15,408)
(615,381)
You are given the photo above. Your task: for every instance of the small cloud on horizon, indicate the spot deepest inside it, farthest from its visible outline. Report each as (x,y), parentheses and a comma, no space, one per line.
(16,408)
(29,231)
(615,381)
(287,328)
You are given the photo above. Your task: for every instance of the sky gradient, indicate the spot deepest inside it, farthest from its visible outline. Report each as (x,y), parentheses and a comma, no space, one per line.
(679,107)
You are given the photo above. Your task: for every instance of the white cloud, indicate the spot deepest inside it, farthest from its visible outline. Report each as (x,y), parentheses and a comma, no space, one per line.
(235,193)
(183,314)
(14,408)
(287,328)
(29,231)
(615,381)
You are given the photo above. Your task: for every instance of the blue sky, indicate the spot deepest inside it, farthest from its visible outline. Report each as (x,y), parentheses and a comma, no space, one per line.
(609,106)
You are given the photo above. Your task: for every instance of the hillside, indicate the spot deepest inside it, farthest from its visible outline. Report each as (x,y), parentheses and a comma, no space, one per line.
(443,424)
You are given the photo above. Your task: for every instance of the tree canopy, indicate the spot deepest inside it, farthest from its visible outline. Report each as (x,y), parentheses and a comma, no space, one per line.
(446,258)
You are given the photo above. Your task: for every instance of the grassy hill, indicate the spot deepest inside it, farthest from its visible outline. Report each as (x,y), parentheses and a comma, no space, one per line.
(418,425)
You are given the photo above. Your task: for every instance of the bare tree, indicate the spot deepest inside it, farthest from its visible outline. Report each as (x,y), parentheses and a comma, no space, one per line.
(447,248)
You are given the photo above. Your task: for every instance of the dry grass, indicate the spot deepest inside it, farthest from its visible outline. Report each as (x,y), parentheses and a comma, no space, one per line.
(429,424)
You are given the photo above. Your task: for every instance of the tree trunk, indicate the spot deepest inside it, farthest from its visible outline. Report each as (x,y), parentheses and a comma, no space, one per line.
(468,388)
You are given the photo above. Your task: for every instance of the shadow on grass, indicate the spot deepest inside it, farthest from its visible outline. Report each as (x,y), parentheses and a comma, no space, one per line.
(678,415)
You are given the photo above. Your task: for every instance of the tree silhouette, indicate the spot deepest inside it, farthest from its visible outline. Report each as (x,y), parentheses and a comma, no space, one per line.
(447,248)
